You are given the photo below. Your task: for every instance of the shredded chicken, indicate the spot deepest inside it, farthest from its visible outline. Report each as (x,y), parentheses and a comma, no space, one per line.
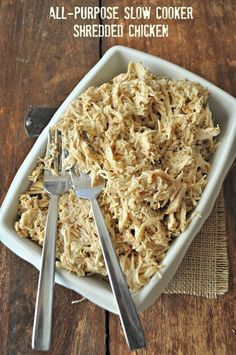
(151,140)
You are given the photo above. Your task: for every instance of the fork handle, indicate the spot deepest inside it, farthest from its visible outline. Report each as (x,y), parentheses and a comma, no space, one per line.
(128,315)
(42,327)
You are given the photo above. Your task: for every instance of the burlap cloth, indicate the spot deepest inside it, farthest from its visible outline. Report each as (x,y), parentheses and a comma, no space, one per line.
(204,270)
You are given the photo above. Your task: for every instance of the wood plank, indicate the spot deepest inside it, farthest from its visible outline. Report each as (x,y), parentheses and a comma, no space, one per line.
(178,324)
(40,63)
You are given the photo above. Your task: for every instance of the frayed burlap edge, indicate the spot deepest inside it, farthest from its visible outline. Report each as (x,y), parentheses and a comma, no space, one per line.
(204,270)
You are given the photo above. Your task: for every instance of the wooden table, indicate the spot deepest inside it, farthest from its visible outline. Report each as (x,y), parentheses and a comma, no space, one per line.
(40,63)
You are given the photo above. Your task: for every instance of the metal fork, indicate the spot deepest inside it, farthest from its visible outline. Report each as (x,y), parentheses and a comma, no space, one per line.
(127,312)
(55,185)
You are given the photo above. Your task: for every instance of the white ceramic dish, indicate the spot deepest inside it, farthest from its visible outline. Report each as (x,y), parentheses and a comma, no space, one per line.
(98,291)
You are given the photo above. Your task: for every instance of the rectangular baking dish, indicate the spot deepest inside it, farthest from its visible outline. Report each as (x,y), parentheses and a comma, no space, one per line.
(114,62)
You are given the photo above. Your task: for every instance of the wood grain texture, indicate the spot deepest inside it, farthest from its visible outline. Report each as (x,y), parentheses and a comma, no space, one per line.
(40,64)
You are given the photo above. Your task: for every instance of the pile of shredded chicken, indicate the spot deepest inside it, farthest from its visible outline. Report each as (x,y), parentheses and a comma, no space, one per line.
(150,139)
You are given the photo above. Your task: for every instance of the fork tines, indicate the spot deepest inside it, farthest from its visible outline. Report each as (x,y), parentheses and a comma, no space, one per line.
(55,152)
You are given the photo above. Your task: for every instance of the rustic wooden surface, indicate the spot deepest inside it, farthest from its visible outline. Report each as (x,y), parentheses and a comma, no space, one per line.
(40,63)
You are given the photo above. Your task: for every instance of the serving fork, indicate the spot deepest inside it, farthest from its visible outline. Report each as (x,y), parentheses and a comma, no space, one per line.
(55,184)
(127,311)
